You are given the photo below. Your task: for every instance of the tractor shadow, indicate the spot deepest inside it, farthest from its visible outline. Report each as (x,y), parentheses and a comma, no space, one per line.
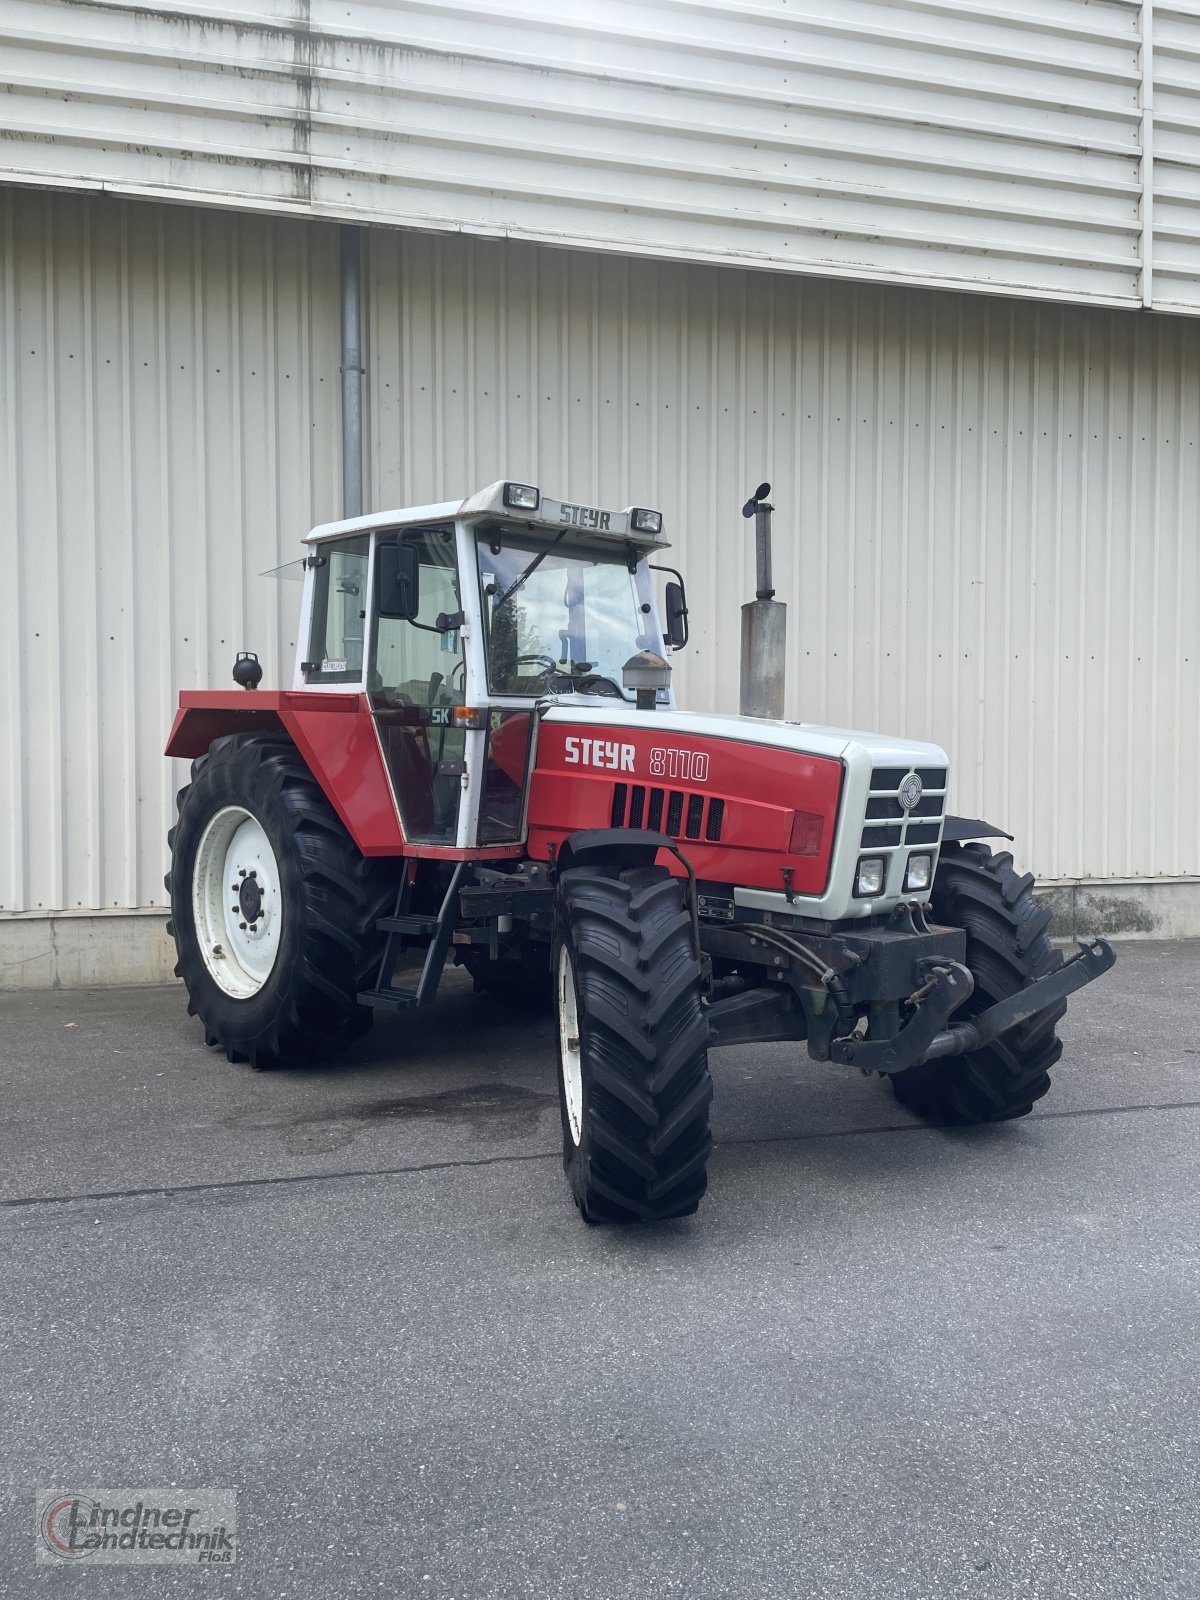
(469,1061)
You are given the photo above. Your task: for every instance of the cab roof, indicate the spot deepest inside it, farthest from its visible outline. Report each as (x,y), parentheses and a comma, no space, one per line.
(552,516)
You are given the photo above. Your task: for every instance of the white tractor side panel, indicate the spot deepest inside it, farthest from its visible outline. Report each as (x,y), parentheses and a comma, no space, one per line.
(934,141)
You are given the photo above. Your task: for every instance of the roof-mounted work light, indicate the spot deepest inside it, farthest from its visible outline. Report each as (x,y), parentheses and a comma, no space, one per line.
(522,497)
(642,521)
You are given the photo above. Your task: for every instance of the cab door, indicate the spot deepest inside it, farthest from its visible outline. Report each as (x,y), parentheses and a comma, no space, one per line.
(415,677)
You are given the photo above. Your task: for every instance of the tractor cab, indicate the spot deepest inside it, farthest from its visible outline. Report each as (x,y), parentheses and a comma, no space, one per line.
(459,620)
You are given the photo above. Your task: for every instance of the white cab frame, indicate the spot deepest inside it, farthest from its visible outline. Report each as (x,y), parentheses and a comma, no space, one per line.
(467,517)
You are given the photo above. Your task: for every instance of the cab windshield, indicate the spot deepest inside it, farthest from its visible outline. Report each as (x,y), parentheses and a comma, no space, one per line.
(559,617)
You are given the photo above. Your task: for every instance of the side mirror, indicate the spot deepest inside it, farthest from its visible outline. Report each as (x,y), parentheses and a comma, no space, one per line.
(397,580)
(677,616)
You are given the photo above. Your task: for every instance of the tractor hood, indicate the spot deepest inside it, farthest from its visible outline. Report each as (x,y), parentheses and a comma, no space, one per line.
(808,738)
(780,812)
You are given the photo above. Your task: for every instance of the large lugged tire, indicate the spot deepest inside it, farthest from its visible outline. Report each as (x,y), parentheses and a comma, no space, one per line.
(1007,949)
(633,1080)
(275,980)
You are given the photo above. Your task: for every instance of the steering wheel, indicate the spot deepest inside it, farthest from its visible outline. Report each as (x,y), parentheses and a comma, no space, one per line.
(547,662)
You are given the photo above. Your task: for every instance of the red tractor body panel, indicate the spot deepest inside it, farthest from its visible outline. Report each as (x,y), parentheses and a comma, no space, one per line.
(333,732)
(743,812)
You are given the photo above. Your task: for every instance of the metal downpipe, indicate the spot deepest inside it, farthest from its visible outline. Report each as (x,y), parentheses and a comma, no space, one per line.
(352,372)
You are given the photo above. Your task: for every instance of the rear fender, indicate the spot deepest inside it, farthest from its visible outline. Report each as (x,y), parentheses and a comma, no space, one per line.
(335,733)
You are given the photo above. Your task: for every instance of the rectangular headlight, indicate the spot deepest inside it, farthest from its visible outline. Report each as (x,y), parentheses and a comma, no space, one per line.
(645,521)
(522,496)
(870,876)
(918,874)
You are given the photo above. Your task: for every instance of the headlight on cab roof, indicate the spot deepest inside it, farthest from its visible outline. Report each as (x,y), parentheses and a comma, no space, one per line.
(522,496)
(869,877)
(918,874)
(642,521)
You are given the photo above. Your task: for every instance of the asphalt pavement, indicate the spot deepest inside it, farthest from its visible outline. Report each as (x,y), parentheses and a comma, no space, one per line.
(883,1361)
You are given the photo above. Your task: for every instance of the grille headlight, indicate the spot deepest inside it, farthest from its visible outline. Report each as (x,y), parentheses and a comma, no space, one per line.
(869,879)
(642,521)
(522,496)
(918,874)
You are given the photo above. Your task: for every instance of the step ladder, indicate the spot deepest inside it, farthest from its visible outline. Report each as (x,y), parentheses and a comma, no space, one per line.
(403,928)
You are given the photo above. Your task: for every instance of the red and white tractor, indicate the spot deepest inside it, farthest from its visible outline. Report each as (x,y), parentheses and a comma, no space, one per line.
(481,754)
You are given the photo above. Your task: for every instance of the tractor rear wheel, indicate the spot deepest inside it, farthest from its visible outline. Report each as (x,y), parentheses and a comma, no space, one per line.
(273,909)
(634,1088)
(1007,949)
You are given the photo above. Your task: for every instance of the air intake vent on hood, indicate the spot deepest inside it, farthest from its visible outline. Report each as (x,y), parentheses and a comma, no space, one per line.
(677,812)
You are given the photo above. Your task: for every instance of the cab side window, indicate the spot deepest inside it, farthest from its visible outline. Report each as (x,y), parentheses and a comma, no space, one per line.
(337,635)
(416,662)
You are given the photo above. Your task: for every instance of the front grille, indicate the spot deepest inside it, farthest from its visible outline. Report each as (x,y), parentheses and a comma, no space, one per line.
(889,779)
(688,816)
(904,828)
(881,836)
(923,833)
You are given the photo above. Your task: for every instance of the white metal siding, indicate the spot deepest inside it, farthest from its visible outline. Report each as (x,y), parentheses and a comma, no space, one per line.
(987,528)
(986,534)
(168,427)
(988,146)
(1176,35)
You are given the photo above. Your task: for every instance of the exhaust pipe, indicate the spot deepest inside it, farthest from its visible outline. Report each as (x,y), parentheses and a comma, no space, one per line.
(764,622)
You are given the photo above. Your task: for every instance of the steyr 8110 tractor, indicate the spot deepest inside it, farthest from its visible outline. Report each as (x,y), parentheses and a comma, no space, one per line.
(481,754)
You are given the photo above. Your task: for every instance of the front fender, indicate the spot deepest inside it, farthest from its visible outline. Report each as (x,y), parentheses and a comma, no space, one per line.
(619,847)
(961,829)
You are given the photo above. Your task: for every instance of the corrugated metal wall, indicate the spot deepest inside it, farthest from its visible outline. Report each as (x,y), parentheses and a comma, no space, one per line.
(987,527)
(1175,155)
(987,530)
(946,141)
(169,423)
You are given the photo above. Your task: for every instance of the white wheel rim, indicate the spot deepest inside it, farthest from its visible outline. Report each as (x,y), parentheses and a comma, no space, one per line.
(236,902)
(568,1044)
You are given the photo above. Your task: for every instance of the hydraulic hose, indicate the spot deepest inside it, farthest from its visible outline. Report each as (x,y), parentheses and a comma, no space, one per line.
(833,981)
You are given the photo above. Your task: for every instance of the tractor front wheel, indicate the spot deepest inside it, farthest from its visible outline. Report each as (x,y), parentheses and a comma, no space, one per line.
(634,1088)
(273,909)
(1007,950)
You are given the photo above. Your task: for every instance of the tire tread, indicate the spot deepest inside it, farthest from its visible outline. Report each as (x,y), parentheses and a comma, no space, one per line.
(1007,949)
(647,1086)
(342,895)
